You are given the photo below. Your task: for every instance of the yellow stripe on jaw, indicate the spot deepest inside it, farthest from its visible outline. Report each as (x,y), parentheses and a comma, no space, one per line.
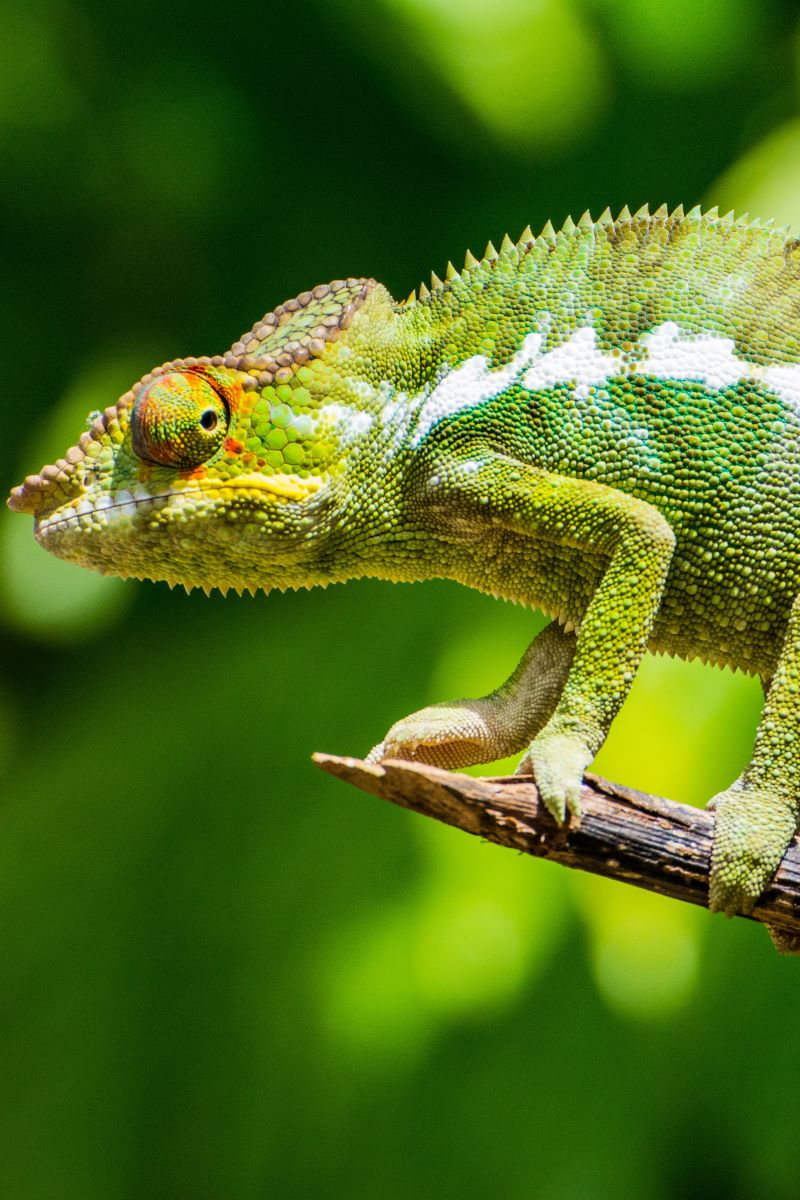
(281,487)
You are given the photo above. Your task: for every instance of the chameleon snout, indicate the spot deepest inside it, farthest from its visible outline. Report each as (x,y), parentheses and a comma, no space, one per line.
(37,494)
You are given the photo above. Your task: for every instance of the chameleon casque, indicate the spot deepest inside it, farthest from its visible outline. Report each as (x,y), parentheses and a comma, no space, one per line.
(602,422)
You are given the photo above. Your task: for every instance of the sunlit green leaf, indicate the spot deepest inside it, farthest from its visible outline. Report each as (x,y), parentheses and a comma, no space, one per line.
(766,181)
(515,64)
(676,44)
(645,950)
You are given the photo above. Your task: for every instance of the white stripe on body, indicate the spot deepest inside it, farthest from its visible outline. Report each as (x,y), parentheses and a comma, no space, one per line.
(663,352)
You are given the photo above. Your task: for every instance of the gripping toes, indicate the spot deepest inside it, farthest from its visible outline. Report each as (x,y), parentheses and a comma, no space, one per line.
(753,830)
(461,733)
(444,735)
(557,762)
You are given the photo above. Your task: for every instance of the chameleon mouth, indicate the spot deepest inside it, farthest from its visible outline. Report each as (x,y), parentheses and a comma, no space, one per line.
(255,488)
(69,516)
(201,535)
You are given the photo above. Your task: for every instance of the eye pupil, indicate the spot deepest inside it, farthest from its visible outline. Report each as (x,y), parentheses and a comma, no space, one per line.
(208,420)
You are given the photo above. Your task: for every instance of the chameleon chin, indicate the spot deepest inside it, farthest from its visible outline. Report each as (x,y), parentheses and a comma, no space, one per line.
(603,423)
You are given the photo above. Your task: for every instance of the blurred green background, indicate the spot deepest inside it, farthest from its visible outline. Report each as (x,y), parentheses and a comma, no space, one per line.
(225,976)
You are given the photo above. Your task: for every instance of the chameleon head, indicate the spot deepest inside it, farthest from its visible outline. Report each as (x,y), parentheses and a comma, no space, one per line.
(222,472)
(201,475)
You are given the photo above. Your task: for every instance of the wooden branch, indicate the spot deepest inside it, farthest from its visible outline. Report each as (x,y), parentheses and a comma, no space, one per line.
(623,834)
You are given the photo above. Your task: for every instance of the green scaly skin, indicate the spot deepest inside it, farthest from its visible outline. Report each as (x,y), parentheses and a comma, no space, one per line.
(601,422)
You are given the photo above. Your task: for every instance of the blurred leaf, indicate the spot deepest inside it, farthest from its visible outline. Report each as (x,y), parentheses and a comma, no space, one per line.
(644,949)
(50,599)
(515,64)
(8,731)
(486,923)
(678,44)
(371,1006)
(766,180)
(469,941)
(685,731)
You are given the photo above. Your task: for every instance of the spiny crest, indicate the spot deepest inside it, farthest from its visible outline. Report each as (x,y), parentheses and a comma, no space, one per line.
(491,256)
(605,224)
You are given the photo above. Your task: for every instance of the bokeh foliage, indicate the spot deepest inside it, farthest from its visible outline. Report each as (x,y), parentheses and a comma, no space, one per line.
(224,976)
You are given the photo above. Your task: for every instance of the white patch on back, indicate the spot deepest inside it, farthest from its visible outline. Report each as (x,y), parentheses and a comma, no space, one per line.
(712,360)
(358,423)
(663,352)
(707,359)
(472,383)
(784,381)
(577,361)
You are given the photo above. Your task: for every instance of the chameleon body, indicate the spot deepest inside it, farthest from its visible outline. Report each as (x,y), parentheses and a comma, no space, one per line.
(603,422)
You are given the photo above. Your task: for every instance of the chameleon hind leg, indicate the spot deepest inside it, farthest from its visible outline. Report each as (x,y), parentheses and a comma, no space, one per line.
(461,733)
(757,817)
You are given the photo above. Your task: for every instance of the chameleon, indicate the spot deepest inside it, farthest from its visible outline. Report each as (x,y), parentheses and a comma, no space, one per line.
(601,422)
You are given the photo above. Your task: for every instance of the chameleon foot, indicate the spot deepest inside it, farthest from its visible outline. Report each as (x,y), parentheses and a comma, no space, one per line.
(453,735)
(752,833)
(462,733)
(557,762)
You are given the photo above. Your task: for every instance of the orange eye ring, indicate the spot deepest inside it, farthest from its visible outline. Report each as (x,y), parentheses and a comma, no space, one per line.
(178,420)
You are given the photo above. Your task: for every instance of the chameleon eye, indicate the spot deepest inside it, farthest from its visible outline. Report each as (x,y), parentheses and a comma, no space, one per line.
(178,420)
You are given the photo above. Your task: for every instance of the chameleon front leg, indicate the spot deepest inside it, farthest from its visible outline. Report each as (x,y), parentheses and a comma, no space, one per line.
(757,817)
(461,733)
(597,523)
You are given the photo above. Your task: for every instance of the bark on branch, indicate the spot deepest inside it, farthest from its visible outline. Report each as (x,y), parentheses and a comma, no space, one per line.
(623,834)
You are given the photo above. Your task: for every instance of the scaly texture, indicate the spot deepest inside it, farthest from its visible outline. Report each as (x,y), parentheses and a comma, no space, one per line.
(602,422)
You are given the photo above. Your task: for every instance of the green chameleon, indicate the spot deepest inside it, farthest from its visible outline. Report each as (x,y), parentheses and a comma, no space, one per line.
(603,422)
